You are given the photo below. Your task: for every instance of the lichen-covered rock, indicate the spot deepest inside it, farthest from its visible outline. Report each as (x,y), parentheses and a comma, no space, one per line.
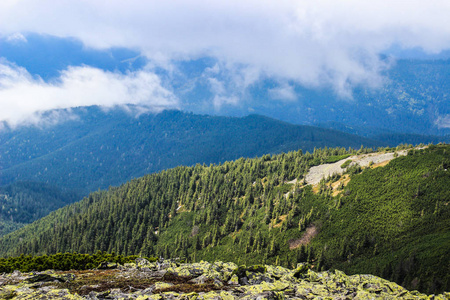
(216,295)
(234,280)
(142,263)
(49,278)
(202,280)
(276,272)
(128,266)
(215,271)
(45,292)
(301,270)
(265,295)
(107,265)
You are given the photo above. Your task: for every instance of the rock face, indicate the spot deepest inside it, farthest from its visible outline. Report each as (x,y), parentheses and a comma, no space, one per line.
(203,280)
(316,173)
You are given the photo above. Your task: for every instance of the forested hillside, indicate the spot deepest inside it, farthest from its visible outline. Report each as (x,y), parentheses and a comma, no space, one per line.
(392,221)
(95,149)
(25,202)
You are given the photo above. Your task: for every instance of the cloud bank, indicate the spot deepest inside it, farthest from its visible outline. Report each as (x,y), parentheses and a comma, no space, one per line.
(22,95)
(311,43)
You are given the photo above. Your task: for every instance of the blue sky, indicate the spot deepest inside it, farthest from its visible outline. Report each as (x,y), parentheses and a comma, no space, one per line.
(205,56)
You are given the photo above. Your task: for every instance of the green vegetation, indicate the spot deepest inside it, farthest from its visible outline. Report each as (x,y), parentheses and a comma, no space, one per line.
(346,163)
(392,221)
(176,211)
(63,261)
(395,222)
(335,158)
(25,202)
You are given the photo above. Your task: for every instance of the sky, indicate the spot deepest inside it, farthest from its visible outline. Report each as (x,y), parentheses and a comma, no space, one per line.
(67,53)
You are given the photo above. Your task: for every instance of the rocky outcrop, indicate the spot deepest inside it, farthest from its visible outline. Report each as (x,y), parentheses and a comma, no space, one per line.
(203,280)
(316,173)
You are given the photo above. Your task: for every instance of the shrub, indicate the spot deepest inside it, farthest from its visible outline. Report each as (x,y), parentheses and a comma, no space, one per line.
(346,163)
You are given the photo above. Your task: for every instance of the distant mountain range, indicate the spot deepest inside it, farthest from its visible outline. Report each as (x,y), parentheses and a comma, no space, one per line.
(391,137)
(98,149)
(95,148)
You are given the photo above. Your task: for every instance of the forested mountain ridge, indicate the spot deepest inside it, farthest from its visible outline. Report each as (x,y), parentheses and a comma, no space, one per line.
(95,149)
(392,221)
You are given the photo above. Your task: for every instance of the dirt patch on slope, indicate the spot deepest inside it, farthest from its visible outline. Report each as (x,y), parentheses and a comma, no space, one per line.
(282,218)
(381,164)
(310,233)
(344,181)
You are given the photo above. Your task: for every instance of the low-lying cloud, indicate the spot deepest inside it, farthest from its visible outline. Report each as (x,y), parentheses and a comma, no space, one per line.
(22,95)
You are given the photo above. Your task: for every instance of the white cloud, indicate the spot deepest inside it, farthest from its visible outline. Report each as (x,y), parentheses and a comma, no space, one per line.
(284,92)
(220,100)
(443,121)
(217,87)
(22,95)
(16,37)
(312,43)
(229,82)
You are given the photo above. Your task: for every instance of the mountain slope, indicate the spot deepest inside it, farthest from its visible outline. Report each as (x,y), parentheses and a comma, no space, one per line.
(95,149)
(391,221)
(25,202)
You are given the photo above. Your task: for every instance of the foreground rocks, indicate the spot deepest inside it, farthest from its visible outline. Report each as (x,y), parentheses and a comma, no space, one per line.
(171,280)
